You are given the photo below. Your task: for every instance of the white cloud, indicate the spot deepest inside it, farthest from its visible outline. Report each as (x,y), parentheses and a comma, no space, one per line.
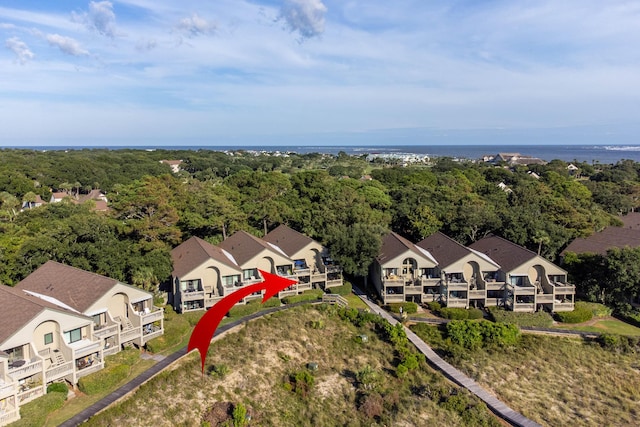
(20,48)
(304,16)
(196,26)
(66,45)
(100,18)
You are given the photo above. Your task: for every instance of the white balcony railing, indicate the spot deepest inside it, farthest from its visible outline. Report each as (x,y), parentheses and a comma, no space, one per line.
(59,371)
(27,369)
(105,331)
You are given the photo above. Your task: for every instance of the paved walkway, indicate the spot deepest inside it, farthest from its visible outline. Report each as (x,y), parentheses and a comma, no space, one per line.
(498,407)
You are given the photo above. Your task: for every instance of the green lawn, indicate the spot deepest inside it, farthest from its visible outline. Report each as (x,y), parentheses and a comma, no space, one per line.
(610,325)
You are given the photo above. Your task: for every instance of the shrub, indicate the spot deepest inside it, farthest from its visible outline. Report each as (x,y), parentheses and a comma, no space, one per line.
(598,310)
(103,380)
(581,313)
(58,388)
(341,290)
(475,313)
(472,335)
(253,306)
(407,307)
(311,295)
(619,343)
(301,382)
(434,306)
(239,415)
(538,319)
(454,313)
(219,371)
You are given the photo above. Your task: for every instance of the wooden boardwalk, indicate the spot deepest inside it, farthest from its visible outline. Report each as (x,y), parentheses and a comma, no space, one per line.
(496,406)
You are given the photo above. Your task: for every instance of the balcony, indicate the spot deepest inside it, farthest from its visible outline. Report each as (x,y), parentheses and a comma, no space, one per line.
(457,286)
(413,289)
(104,331)
(111,350)
(393,298)
(127,335)
(59,371)
(19,369)
(85,347)
(9,415)
(457,302)
(151,316)
(524,307)
(192,295)
(493,285)
(544,298)
(7,388)
(90,369)
(563,306)
(477,294)
(564,289)
(28,392)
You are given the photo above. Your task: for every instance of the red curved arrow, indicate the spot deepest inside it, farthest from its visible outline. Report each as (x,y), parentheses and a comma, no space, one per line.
(206,327)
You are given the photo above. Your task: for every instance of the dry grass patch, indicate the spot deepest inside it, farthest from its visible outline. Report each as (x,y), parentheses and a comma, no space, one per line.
(263,358)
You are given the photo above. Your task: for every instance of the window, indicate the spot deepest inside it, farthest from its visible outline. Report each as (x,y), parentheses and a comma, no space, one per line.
(230,280)
(73,335)
(48,338)
(97,319)
(250,274)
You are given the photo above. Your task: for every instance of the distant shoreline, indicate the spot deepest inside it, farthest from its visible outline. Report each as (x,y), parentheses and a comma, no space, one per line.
(604,154)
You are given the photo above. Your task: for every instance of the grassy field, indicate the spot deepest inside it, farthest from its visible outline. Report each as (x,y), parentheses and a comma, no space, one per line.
(608,325)
(559,381)
(255,366)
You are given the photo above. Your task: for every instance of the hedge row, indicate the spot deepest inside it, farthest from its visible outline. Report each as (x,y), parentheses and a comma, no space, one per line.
(538,319)
(581,313)
(253,307)
(311,295)
(455,313)
(407,307)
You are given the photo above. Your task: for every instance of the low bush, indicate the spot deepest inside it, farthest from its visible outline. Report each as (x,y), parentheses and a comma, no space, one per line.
(341,290)
(619,343)
(311,295)
(58,388)
(473,335)
(253,306)
(598,310)
(581,313)
(539,319)
(407,307)
(103,380)
(475,313)
(434,306)
(453,313)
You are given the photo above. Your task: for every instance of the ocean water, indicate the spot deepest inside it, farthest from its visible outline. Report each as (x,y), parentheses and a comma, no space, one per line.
(603,154)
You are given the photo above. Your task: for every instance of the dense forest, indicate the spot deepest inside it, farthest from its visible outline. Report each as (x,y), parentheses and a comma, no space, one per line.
(345,202)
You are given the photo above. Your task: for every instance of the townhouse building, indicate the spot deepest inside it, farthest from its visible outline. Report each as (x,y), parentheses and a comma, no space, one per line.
(489,272)
(204,273)
(59,323)
(530,281)
(464,274)
(122,314)
(40,342)
(403,271)
(311,261)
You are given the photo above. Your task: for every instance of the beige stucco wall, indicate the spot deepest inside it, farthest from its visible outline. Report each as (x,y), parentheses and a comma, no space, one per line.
(24,335)
(396,262)
(528,268)
(106,302)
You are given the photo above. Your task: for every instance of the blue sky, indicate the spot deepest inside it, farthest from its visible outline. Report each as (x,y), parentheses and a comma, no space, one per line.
(297,72)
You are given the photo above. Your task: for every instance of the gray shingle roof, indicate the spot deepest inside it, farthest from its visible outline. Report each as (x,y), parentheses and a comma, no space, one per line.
(506,253)
(444,249)
(394,245)
(243,246)
(288,239)
(195,252)
(77,288)
(610,237)
(18,308)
